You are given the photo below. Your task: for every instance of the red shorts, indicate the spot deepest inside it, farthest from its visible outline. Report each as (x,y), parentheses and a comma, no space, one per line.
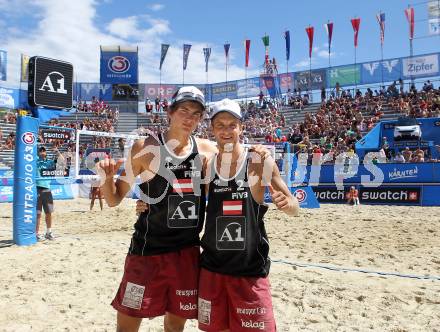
(153,285)
(234,303)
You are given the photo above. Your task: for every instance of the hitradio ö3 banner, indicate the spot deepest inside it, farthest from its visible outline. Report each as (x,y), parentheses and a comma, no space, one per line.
(119,67)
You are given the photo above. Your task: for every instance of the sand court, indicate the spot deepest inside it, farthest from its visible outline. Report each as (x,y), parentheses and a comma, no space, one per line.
(68,284)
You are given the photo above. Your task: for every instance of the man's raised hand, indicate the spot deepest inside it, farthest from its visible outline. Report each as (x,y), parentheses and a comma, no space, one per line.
(279,198)
(108,168)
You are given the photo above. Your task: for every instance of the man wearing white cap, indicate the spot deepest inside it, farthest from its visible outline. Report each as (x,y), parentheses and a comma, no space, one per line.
(234,290)
(162,265)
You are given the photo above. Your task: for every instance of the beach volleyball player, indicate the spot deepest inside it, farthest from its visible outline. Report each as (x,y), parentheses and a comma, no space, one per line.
(162,266)
(234,289)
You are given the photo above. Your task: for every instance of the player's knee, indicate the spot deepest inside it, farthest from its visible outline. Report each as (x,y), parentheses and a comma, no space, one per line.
(173,323)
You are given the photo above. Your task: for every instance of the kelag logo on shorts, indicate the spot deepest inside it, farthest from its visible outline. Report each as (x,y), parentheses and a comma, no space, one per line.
(28,138)
(119,64)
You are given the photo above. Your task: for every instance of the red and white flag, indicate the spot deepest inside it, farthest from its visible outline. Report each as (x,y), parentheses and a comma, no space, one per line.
(381,20)
(232,208)
(247,44)
(409,12)
(329,28)
(355,23)
(182,186)
(310,32)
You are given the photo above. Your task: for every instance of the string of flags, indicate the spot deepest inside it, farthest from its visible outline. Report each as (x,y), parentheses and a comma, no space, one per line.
(310,30)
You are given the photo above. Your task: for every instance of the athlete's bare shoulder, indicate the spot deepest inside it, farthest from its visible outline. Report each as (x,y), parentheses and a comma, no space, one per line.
(206,146)
(143,152)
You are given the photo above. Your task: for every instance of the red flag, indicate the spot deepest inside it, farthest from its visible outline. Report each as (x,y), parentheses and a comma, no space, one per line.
(355,23)
(381,20)
(409,12)
(329,28)
(247,46)
(309,31)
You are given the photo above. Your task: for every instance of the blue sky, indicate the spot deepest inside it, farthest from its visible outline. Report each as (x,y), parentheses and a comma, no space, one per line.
(73,31)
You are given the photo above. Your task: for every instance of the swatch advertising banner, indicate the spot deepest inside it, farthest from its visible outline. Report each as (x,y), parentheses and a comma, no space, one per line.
(408,195)
(420,66)
(344,75)
(371,72)
(119,67)
(302,78)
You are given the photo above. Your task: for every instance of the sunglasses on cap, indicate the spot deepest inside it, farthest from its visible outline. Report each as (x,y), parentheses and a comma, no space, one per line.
(189,93)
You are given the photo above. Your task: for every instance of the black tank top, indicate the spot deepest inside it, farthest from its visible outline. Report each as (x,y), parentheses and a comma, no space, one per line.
(177,205)
(235,240)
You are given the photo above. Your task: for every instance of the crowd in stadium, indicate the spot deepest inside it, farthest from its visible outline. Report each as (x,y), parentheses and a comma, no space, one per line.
(98,107)
(342,119)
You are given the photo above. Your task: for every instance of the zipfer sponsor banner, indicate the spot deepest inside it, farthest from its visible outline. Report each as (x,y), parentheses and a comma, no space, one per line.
(420,66)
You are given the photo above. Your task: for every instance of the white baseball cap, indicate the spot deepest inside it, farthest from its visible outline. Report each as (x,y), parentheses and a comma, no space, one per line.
(188,93)
(227,105)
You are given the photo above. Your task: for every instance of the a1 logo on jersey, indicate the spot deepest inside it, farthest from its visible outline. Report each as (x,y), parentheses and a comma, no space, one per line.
(183,212)
(231,233)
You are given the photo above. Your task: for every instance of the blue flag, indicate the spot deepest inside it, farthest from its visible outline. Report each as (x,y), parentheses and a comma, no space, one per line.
(227,46)
(207,53)
(163,54)
(3,65)
(186,49)
(287,37)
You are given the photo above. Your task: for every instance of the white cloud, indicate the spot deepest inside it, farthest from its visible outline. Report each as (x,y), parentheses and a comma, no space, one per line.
(324,54)
(67,30)
(123,27)
(156,7)
(302,64)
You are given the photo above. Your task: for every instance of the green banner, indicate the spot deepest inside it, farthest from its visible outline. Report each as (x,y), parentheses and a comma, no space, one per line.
(265,40)
(345,75)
